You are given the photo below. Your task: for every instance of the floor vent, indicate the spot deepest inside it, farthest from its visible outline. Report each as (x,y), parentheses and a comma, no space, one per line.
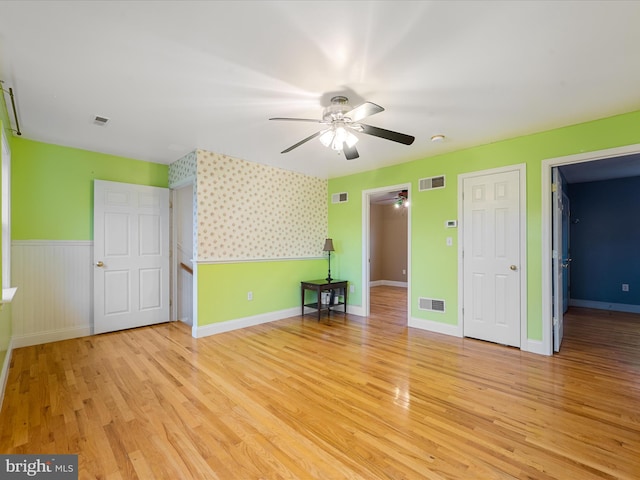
(339,197)
(431,304)
(431,183)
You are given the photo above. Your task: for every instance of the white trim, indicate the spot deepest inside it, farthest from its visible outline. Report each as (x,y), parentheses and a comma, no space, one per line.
(355,310)
(183,182)
(615,307)
(436,327)
(546,166)
(366,215)
(8,294)
(387,283)
(212,261)
(238,323)
(535,346)
(54,243)
(4,372)
(173,257)
(39,338)
(522,169)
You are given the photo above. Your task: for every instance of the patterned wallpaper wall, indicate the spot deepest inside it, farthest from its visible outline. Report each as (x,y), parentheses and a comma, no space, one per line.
(183,170)
(250,211)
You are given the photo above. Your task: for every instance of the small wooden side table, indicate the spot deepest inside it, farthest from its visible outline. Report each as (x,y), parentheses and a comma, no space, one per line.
(320,286)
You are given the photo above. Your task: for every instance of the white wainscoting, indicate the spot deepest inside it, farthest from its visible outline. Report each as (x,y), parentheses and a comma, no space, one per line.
(55,290)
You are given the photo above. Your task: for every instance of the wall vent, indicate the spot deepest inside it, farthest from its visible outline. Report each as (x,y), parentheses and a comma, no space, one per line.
(431,183)
(339,197)
(431,304)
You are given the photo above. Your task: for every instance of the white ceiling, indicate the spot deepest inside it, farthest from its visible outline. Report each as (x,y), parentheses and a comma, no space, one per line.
(175,76)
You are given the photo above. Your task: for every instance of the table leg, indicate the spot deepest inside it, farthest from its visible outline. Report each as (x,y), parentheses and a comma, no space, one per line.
(302,302)
(345,298)
(319,302)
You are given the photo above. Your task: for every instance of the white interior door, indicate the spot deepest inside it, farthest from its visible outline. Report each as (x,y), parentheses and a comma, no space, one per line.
(560,264)
(131,255)
(491,257)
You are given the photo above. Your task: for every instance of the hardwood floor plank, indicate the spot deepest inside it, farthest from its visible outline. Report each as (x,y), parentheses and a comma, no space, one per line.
(340,398)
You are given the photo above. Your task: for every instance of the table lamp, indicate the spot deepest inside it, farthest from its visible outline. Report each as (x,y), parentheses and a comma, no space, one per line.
(328,247)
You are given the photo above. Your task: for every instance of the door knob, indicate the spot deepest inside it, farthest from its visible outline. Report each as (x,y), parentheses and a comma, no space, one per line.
(99,264)
(513,267)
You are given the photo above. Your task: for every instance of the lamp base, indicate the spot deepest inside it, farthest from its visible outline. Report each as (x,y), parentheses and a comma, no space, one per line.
(328,279)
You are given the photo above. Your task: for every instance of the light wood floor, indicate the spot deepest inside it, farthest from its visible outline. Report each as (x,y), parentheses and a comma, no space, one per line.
(340,399)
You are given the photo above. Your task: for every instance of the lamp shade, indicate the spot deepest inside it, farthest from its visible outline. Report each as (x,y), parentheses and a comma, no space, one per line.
(328,245)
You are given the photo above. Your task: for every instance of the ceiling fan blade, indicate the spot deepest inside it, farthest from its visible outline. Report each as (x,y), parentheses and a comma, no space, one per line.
(364,110)
(387,134)
(310,137)
(297,119)
(350,153)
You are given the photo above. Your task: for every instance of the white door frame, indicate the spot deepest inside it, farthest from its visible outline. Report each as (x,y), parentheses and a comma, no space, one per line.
(175,261)
(366,234)
(522,169)
(547,229)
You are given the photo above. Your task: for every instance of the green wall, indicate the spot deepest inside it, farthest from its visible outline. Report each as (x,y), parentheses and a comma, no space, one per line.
(434,266)
(223,287)
(52,188)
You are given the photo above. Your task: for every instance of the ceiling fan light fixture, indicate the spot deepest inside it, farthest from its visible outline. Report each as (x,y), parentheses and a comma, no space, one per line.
(437,138)
(326,137)
(337,137)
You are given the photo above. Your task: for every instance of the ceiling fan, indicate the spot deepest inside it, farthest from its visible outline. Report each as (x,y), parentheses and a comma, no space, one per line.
(341,121)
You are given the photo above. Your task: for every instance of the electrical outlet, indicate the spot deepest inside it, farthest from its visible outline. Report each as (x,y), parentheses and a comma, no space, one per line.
(404,272)
(625,287)
(249,295)
(352,288)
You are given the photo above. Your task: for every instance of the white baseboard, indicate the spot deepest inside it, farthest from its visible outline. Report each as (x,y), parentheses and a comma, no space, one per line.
(4,373)
(616,307)
(535,346)
(221,327)
(436,327)
(238,323)
(387,283)
(28,340)
(355,310)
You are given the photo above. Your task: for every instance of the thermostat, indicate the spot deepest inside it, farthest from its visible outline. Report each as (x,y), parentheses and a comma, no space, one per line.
(451,223)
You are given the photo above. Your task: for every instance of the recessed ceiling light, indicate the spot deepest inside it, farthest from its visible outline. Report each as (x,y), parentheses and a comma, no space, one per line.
(437,138)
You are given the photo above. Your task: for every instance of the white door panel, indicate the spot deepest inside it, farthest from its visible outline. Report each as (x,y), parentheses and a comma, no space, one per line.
(131,256)
(491,246)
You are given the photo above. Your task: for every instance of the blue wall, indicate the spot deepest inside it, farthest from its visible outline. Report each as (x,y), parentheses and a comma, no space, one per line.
(605,240)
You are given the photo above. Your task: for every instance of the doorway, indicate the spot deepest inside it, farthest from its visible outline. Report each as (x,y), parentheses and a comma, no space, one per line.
(386,242)
(183,246)
(621,162)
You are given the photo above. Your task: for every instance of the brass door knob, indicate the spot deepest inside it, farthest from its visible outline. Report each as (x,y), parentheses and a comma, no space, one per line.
(513,267)
(99,264)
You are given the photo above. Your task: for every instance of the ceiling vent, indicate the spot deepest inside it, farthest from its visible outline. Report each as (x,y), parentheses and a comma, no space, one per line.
(99,120)
(339,197)
(431,304)
(431,183)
